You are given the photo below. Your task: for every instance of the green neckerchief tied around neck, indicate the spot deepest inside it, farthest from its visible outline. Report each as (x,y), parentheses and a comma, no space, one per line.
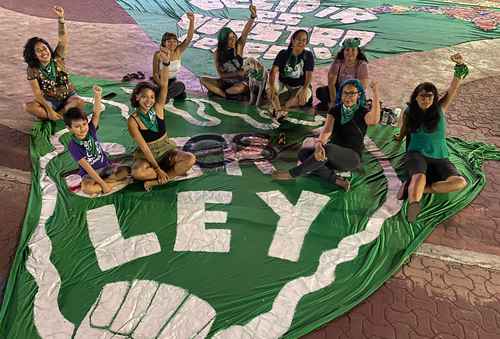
(50,70)
(89,143)
(149,120)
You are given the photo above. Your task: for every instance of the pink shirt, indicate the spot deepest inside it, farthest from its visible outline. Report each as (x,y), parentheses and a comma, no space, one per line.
(358,71)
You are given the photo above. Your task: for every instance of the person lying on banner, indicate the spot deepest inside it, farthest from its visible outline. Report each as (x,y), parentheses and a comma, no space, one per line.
(98,175)
(176,88)
(427,159)
(340,143)
(54,93)
(350,63)
(156,160)
(228,58)
(292,74)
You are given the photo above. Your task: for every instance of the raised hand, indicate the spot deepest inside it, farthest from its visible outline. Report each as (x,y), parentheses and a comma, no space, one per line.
(190,16)
(59,11)
(97,90)
(253,11)
(457,58)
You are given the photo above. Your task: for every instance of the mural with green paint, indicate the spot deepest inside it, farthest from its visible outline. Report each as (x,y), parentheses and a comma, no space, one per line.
(402,26)
(224,253)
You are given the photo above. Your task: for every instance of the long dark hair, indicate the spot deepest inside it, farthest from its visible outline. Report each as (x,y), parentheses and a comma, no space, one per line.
(416,117)
(223,53)
(29,51)
(361,56)
(139,88)
(294,35)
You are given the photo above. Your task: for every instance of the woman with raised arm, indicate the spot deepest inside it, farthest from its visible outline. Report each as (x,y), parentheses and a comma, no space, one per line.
(292,72)
(156,160)
(427,159)
(54,93)
(340,143)
(350,63)
(228,58)
(176,88)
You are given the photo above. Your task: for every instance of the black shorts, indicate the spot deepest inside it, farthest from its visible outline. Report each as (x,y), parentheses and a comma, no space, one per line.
(434,169)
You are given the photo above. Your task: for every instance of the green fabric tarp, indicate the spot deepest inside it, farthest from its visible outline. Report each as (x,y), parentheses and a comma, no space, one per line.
(63,284)
(385,29)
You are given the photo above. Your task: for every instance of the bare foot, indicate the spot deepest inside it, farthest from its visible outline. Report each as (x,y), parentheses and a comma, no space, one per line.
(282,175)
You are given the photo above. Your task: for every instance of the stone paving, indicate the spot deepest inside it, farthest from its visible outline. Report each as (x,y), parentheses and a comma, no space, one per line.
(428,298)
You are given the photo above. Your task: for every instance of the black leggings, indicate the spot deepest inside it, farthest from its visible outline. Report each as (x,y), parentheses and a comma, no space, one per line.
(337,158)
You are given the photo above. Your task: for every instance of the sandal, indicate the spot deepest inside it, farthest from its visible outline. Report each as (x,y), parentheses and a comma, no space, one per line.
(140,76)
(128,77)
(343,183)
(108,96)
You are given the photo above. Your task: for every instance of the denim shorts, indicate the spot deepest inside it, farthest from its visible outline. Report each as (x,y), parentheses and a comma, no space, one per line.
(57,105)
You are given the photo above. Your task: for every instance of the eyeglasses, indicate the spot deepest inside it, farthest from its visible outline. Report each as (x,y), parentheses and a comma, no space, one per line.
(350,94)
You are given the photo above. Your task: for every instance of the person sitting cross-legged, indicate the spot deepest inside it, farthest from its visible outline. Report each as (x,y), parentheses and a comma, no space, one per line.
(156,159)
(98,176)
(346,124)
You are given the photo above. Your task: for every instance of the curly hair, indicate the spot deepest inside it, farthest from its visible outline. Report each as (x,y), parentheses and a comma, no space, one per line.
(361,56)
(74,114)
(139,88)
(29,51)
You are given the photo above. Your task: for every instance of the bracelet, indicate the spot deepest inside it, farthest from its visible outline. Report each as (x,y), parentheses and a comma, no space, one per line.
(61,20)
(166,64)
(253,17)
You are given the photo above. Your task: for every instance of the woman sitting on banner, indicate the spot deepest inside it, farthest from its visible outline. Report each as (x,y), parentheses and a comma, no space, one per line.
(292,73)
(350,63)
(228,59)
(176,88)
(156,160)
(49,80)
(348,122)
(427,158)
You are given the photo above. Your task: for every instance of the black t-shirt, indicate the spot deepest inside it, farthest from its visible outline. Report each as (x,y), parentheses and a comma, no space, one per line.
(351,134)
(294,76)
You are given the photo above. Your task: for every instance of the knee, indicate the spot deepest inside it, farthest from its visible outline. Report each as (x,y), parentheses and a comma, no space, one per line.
(460,183)
(191,159)
(417,178)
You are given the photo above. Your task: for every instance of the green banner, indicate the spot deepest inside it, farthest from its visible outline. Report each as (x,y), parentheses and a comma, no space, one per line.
(384,29)
(224,253)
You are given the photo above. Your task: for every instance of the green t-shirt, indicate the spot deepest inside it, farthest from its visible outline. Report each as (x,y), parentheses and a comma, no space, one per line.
(430,144)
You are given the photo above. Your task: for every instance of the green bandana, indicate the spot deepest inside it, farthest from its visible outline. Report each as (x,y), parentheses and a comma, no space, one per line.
(90,145)
(257,74)
(149,120)
(49,71)
(461,71)
(351,43)
(348,113)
